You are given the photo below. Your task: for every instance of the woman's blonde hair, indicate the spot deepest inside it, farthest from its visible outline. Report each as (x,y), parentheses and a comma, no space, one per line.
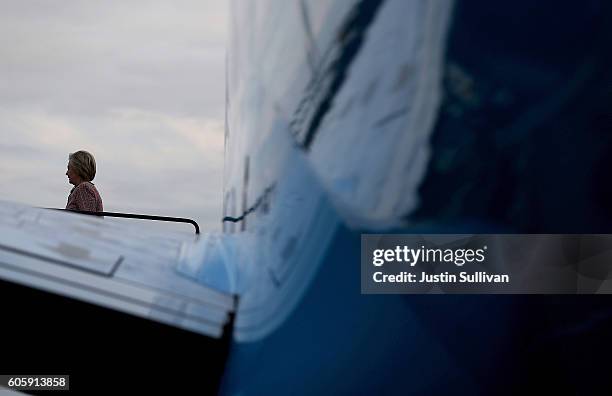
(84,164)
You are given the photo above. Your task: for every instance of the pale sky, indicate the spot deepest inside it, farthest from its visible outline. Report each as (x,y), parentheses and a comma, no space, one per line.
(139,84)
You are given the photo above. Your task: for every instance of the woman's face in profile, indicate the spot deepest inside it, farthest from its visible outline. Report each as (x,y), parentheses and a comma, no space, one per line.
(73,177)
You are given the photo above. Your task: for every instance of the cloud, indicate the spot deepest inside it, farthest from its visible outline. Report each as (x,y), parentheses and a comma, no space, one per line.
(98,56)
(139,86)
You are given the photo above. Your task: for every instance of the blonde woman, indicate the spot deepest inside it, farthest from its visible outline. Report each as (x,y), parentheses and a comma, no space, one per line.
(81,171)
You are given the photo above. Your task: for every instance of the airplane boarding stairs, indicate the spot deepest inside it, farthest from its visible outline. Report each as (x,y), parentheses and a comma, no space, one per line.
(103,303)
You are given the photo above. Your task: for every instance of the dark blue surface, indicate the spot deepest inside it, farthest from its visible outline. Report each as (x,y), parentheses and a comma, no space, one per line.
(522,144)
(524,137)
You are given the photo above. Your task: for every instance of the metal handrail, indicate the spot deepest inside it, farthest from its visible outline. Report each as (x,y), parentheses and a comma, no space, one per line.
(138,216)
